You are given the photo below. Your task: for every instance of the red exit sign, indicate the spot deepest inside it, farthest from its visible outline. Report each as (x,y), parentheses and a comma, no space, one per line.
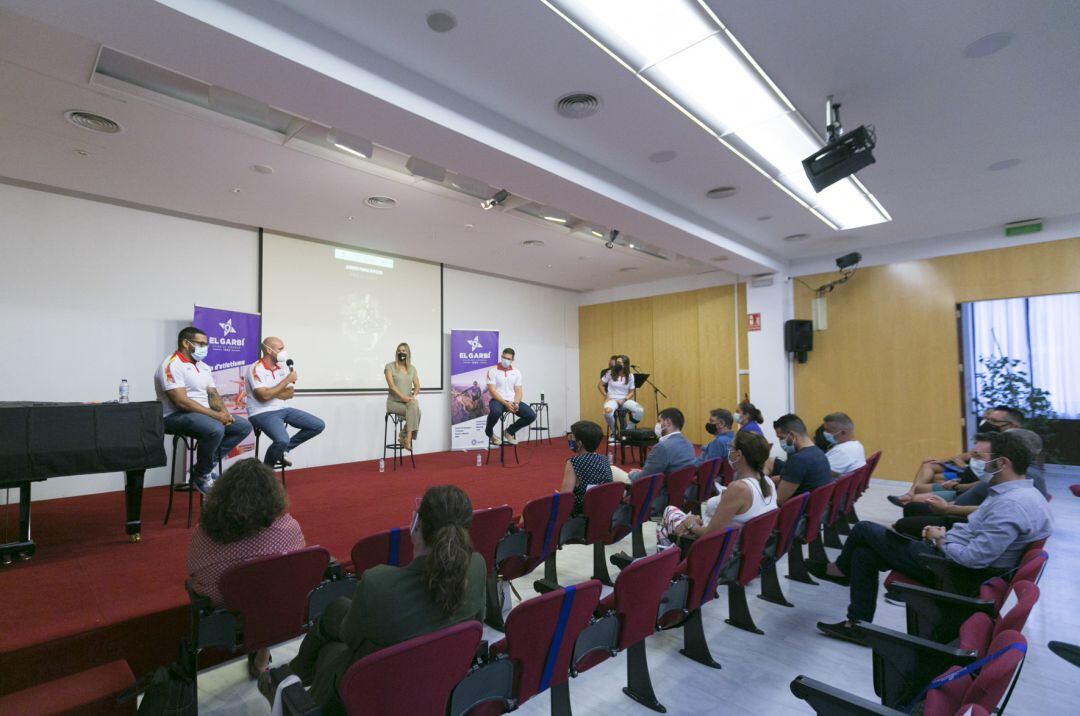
(753,321)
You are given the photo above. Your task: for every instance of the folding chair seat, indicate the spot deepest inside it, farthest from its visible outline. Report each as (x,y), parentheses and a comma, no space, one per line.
(955,691)
(624,619)
(534,656)
(528,546)
(265,603)
(694,585)
(704,483)
(415,677)
(791,513)
(808,532)
(752,540)
(604,520)
(836,518)
(643,492)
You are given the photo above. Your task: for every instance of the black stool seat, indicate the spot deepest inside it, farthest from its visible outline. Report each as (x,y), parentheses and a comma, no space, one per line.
(191,445)
(502,442)
(395,446)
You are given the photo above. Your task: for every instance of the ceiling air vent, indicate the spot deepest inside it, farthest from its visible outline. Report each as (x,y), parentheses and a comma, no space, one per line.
(380,202)
(91,121)
(578,105)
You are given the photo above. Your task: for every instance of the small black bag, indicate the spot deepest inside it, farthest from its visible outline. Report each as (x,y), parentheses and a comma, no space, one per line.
(167,691)
(639,435)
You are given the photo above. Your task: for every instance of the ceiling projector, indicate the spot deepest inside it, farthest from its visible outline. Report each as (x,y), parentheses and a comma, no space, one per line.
(843,155)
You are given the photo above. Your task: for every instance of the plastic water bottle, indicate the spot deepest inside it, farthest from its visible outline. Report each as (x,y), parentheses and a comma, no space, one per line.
(479,460)
(124,391)
(382,465)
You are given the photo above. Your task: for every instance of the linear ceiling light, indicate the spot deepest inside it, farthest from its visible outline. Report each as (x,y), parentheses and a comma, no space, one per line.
(682,51)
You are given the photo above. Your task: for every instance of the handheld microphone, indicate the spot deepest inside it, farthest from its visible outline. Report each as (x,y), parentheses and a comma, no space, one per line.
(289,363)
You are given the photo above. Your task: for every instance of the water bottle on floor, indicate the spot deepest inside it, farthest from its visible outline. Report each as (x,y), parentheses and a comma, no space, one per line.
(382,465)
(479,461)
(124,391)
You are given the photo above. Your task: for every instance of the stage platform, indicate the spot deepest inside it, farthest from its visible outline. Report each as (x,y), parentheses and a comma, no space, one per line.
(90,595)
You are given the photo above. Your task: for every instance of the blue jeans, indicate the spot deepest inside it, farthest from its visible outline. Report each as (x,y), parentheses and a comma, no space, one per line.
(213,437)
(525,415)
(871,548)
(273,424)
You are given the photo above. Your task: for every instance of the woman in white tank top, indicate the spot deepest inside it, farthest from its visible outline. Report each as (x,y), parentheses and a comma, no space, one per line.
(750,495)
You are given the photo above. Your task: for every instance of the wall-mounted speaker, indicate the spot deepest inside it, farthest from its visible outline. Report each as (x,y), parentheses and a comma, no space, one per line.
(799,338)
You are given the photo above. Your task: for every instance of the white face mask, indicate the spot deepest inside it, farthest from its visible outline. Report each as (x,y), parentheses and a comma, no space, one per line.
(658,430)
(200,352)
(505,363)
(282,356)
(989,474)
(738,417)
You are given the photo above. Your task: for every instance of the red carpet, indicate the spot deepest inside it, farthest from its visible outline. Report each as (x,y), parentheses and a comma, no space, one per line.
(89,596)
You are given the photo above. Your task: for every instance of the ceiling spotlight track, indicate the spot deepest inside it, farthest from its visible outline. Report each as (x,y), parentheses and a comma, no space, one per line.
(497,198)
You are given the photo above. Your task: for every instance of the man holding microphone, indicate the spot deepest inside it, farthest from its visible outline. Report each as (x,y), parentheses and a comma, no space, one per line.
(270,382)
(504,385)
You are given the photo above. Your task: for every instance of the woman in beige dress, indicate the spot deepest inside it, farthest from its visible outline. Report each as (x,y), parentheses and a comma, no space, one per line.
(404,385)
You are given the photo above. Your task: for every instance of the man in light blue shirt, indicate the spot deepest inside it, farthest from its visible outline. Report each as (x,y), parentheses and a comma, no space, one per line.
(995,537)
(720,422)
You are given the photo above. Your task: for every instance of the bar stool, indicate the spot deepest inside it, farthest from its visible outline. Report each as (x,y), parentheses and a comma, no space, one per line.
(394,422)
(613,441)
(502,441)
(191,445)
(542,424)
(281,465)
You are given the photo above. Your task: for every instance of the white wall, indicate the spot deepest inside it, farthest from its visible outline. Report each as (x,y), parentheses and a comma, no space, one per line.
(770,366)
(92,293)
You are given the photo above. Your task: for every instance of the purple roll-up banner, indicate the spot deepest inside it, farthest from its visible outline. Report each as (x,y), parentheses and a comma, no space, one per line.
(472,355)
(234,339)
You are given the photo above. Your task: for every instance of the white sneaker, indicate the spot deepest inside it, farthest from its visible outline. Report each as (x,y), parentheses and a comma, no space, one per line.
(494,440)
(510,439)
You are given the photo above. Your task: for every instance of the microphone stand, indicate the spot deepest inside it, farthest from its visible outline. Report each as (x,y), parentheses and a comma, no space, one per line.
(656,390)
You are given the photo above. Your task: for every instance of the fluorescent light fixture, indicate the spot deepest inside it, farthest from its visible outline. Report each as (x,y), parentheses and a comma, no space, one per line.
(556,219)
(349,144)
(363,258)
(597,234)
(350,150)
(682,51)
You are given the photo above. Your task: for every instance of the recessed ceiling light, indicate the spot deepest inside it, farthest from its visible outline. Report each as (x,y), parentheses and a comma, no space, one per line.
(349,218)
(583,258)
(262,169)
(630,245)
(555,219)
(577,105)
(532,243)
(597,234)
(80,152)
(549,265)
(441,21)
(718,259)
(236,190)
(797,237)
(988,45)
(721,192)
(468,226)
(664,155)
(380,202)
(94,122)
(1003,164)
(764,218)
(628,269)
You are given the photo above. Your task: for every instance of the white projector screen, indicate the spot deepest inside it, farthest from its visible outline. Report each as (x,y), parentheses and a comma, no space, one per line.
(342,310)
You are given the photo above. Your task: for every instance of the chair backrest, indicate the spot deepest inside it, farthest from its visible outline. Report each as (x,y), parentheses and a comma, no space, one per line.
(393,547)
(752,538)
(642,492)
(815,511)
(786,522)
(542,522)
(413,677)
(727,473)
(638,590)
(488,527)
(677,483)
(599,507)
(704,560)
(976,633)
(289,578)
(1030,569)
(1013,613)
(706,477)
(986,689)
(872,461)
(838,505)
(540,636)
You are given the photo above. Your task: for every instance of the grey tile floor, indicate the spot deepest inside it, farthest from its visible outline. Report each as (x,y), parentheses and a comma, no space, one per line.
(758,668)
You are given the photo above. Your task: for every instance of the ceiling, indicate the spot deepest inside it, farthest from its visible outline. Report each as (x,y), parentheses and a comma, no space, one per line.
(480,100)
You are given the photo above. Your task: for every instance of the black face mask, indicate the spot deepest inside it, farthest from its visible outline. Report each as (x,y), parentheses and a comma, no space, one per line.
(710,428)
(401,356)
(572,444)
(987,427)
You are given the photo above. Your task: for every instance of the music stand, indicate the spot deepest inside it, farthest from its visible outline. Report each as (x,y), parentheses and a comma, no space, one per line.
(641,379)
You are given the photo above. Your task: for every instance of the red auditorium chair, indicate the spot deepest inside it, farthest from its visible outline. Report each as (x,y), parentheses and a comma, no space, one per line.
(393,547)
(523,550)
(791,513)
(808,532)
(625,618)
(985,690)
(752,539)
(642,493)
(92,692)
(266,603)
(727,473)
(1075,489)
(951,577)
(677,485)
(489,525)
(861,486)
(695,585)
(534,656)
(604,520)
(705,482)
(415,677)
(836,512)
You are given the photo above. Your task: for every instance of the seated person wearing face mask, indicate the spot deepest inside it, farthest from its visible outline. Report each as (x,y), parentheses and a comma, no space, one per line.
(720,422)
(585,467)
(806,467)
(673,452)
(846,453)
(193,408)
(504,385)
(270,382)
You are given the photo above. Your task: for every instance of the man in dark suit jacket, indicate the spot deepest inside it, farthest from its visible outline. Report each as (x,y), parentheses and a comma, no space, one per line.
(673,452)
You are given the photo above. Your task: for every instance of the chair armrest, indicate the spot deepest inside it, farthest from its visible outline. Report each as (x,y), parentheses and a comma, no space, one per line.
(296,701)
(830,701)
(904,664)
(937,615)
(952,577)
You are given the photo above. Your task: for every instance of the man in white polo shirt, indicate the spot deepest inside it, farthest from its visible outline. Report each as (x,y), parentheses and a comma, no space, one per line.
(504,384)
(846,453)
(270,382)
(192,406)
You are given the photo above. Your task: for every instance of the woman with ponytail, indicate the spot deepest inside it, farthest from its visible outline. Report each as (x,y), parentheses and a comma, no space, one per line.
(443,585)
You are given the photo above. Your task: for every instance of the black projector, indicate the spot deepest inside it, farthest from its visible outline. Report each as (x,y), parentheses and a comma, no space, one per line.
(840,158)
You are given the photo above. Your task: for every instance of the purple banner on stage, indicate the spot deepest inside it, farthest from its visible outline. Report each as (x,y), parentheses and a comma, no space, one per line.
(234,339)
(472,354)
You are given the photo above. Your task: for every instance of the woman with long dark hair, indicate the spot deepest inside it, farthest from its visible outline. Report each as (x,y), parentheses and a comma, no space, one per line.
(617,386)
(443,585)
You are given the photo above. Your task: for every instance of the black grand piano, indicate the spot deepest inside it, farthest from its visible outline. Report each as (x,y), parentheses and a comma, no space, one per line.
(43,440)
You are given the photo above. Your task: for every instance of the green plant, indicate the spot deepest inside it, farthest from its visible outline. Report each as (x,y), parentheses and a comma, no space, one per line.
(1000,381)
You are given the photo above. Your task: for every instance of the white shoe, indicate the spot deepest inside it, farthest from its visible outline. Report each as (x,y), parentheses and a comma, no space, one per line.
(494,440)
(510,439)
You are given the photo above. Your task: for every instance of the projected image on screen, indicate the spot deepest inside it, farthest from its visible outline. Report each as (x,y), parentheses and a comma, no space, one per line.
(342,311)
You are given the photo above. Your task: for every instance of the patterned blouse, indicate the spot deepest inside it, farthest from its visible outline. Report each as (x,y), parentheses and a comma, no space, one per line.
(208,561)
(590,468)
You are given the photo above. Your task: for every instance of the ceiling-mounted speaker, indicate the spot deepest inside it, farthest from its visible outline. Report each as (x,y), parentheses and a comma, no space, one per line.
(799,338)
(428,170)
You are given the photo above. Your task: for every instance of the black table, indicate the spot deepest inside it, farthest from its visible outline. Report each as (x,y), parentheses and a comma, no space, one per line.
(43,440)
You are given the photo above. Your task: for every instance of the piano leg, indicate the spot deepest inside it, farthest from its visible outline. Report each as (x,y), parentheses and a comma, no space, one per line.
(133,486)
(24,548)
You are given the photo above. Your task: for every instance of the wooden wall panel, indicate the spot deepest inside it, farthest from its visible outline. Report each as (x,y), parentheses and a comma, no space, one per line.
(594,347)
(890,355)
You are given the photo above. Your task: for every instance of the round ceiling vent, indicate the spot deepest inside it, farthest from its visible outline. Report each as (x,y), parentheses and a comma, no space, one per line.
(578,105)
(664,155)
(441,21)
(797,237)
(380,202)
(91,121)
(721,192)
